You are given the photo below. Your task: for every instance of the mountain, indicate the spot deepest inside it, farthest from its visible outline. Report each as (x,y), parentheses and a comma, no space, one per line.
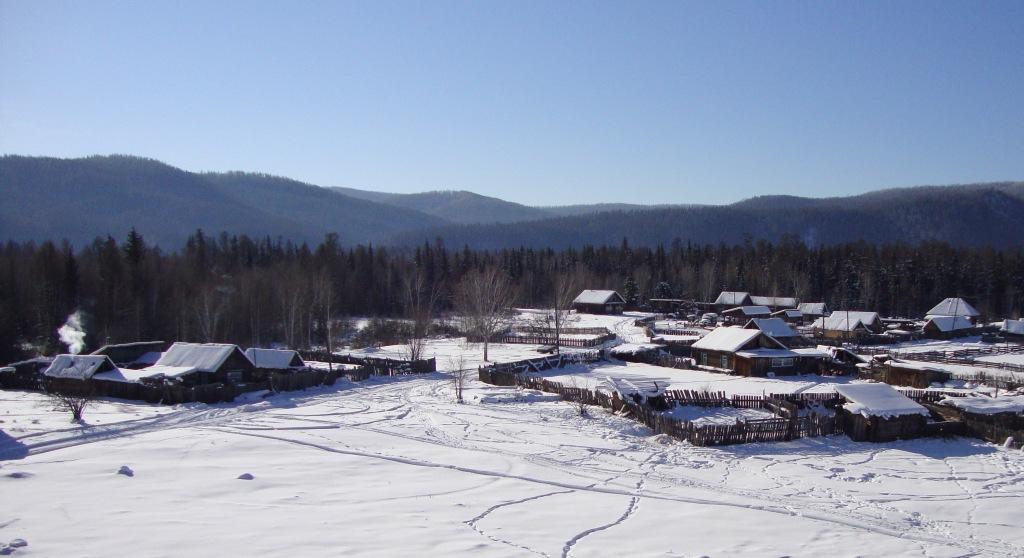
(79,199)
(972,215)
(457,206)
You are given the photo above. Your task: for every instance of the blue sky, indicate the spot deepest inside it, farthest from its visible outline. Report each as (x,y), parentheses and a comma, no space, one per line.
(536,102)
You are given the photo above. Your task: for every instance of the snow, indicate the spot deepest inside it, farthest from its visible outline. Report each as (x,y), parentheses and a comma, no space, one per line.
(160,370)
(953,307)
(393,467)
(635,348)
(726,339)
(734,298)
(987,405)
(1015,327)
(878,400)
(127,375)
(777,301)
(591,296)
(812,308)
(702,416)
(203,357)
(950,323)
(79,367)
(272,358)
(776,327)
(750,311)
(1017,358)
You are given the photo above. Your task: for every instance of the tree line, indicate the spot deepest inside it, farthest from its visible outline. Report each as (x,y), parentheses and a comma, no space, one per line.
(258,291)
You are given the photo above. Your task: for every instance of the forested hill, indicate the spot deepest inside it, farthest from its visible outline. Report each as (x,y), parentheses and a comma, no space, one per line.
(456,206)
(80,199)
(971,215)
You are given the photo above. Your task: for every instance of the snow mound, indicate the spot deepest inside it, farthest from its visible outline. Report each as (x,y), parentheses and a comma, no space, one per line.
(126,471)
(661,439)
(246,476)
(19,475)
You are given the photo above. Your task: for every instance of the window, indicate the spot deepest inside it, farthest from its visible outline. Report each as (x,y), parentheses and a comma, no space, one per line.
(781,362)
(725,361)
(704,359)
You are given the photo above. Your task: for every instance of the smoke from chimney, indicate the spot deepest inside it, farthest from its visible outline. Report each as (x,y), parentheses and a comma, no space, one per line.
(72,334)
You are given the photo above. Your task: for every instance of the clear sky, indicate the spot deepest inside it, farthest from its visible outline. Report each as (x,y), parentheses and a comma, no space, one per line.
(537,102)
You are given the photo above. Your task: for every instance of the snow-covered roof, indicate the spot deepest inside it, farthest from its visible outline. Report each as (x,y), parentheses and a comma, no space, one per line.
(812,308)
(635,348)
(274,358)
(878,400)
(750,311)
(778,301)
(983,405)
(736,298)
(789,313)
(1013,326)
(911,365)
(165,370)
(950,323)
(953,307)
(79,367)
(843,320)
(726,339)
(202,357)
(125,375)
(776,327)
(782,353)
(593,296)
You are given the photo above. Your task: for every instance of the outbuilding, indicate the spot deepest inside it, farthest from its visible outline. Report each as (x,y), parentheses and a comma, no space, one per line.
(277,360)
(919,375)
(954,307)
(751,352)
(947,327)
(742,314)
(875,412)
(847,324)
(133,355)
(592,301)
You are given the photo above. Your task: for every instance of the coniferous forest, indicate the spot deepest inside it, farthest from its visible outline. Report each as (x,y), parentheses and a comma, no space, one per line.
(261,291)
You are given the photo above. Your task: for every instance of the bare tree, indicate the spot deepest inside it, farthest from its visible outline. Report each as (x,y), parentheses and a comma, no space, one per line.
(72,400)
(210,304)
(291,294)
(460,374)
(578,403)
(420,303)
(323,296)
(484,298)
(563,292)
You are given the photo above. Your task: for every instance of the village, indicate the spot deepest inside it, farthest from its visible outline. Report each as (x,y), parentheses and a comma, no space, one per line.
(741,371)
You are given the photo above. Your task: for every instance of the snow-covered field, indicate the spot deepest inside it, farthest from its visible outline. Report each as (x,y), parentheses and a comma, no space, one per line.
(392,467)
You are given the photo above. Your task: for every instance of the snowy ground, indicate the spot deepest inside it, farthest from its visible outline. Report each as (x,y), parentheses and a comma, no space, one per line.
(392,467)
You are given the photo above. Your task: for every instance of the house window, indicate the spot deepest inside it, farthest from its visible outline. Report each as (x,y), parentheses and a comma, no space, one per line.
(704,359)
(725,361)
(781,362)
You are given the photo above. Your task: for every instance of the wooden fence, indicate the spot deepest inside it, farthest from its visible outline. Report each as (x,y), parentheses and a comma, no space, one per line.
(565,330)
(546,339)
(509,373)
(380,366)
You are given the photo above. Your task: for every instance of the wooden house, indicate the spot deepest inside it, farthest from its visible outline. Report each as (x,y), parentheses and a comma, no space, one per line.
(68,372)
(813,310)
(918,375)
(1013,329)
(25,374)
(133,355)
(742,314)
(848,324)
(203,363)
(731,299)
(774,302)
(751,352)
(777,328)
(593,301)
(947,327)
(954,307)
(790,315)
(878,413)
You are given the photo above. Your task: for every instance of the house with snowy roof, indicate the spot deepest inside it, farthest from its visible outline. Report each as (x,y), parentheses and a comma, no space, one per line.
(774,302)
(789,315)
(813,310)
(732,299)
(278,360)
(133,355)
(1013,329)
(78,367)
(594,301)
(947,327)
(202,363)
(752,352)
(846,324)
(741,314)
(875,412)
(954,307)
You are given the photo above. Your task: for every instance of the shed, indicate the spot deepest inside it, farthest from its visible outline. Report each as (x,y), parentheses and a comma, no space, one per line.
(913,374)
(201,363)
(954,307)
(592,301)
(742,314)
(789,315)
(813,310)
(1013,328)
(275,359)
(945,327)
(78,367)
(848,323)
(878,413)
(774,302)
(732,299)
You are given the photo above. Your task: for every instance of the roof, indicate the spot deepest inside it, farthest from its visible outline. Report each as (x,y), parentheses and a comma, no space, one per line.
(165,370)
(782,353)
(79,367)
(812,308)
(843,320)
(203,357)
(735,298)
(984,405)
(953,307)
(914,365)
(274,358)
(789,313)
(1013,326)
(727,339)
(950,323)
(779,301)
(776,327)
(126,375)
(878,400)
(750,311)
(592,296)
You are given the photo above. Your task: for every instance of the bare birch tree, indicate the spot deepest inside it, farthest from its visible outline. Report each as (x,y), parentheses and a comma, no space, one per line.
(323,296)
(483,298)
(563,291)
(420,303)
(460,374)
